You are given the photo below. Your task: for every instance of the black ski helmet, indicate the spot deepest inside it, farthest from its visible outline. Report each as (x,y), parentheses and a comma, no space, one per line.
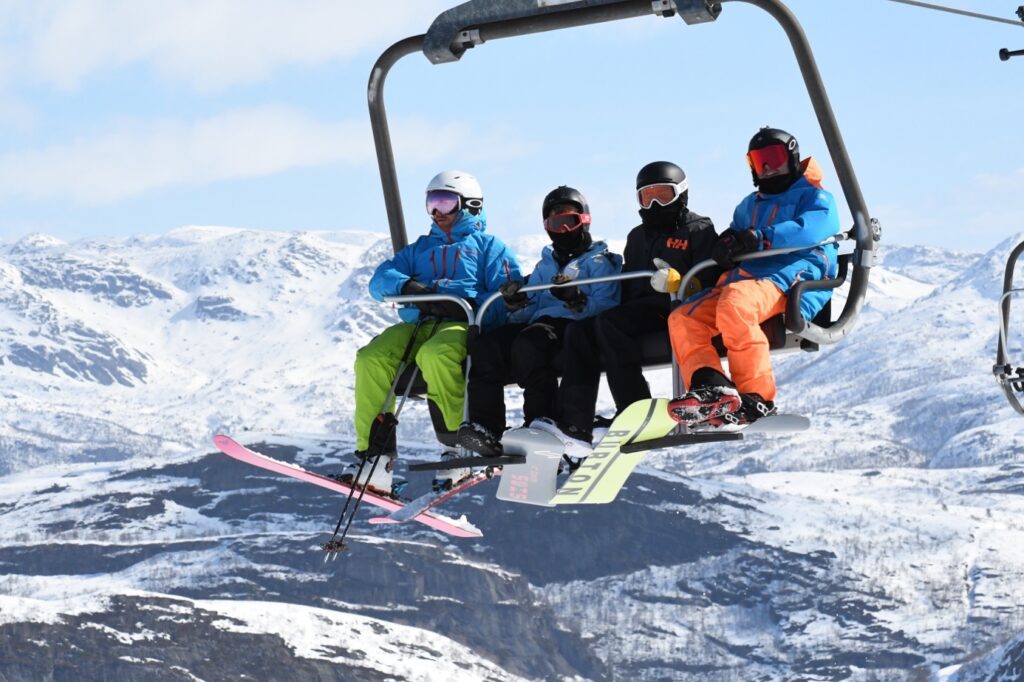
(767,136)
(563,194)
(663,171)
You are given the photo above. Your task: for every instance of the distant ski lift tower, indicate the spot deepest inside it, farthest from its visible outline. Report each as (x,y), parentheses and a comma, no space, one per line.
(1010,378)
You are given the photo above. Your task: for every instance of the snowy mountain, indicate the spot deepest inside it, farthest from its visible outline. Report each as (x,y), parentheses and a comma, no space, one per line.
(883,544)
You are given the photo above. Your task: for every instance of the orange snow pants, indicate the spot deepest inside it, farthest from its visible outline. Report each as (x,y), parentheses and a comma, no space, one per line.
(736,310)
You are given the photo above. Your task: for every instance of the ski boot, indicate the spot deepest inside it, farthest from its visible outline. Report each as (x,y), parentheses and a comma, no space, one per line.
(601,426)
(444,479)
(576,443)
(480,440)
(380,482)
(752,408)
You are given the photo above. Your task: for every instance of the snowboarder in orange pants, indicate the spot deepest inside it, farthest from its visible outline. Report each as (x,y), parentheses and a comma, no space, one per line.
(790,209)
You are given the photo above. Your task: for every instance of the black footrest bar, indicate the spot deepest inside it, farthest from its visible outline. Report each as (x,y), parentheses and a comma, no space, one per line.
(501,460)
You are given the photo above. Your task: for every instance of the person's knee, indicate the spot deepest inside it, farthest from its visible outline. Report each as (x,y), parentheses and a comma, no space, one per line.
(432,359)
(527,355)
(373,355)
(679,321)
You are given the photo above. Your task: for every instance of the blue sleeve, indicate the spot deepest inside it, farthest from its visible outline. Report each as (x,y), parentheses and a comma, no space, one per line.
(392,274)
(500,266)
(600,297)
(817,220)
(741,217)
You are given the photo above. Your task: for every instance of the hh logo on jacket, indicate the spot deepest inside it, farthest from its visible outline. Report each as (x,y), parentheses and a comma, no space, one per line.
(677,243)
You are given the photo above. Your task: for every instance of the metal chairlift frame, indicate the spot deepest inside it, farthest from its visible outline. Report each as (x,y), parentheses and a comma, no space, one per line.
(473,23)
(1010,378)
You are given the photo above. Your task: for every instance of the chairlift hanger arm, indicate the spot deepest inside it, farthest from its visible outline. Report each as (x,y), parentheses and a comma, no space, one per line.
(474,22)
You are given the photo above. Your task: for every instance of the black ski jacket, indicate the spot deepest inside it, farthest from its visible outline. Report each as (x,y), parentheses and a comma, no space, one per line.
(689,243)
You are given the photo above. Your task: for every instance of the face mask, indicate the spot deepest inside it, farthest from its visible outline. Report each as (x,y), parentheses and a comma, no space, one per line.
(775,185)
(660,217)
(571,243)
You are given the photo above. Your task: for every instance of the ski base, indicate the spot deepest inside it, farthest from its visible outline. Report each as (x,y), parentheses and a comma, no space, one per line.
(425,502)
(777,423)
(460,528)
(601,476)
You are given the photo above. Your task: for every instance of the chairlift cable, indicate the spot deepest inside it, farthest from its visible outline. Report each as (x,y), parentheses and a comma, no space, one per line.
(953,10)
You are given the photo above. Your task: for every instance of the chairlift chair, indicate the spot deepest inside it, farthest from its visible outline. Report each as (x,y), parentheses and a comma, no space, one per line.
(1010,378)
(472,24)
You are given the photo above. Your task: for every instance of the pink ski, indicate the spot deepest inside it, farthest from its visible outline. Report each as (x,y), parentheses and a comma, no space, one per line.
(460,528)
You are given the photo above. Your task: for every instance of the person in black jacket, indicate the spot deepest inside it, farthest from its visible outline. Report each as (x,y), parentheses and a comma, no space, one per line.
(679,238)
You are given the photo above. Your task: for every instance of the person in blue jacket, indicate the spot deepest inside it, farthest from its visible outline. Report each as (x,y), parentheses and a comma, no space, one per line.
(790,209)
(456,257)
(525,350)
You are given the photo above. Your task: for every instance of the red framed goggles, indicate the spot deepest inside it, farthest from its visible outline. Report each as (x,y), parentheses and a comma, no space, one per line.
(561,223)
(769,161)
(661,193)
(442,201)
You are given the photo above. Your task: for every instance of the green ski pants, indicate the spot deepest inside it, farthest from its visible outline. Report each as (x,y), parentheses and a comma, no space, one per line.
(440,361)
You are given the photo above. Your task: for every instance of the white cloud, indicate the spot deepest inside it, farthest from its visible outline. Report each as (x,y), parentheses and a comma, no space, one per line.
(209,44)
(144,156)
(140,156)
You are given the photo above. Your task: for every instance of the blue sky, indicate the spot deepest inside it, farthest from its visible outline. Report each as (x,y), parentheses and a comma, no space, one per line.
(122,118)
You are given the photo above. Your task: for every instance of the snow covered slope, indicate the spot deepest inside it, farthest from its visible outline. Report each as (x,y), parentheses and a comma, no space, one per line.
(883,544)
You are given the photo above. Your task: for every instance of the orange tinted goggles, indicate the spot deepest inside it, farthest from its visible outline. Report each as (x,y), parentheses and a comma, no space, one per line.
(769,161)
(662,193)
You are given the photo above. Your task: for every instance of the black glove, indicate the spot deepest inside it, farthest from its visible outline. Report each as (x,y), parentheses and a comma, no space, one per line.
(513,298)
(446,310)
(563,293)
(578,302)
(414,288)
(732,243)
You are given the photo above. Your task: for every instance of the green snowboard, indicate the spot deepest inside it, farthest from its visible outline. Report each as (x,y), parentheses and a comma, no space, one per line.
(602,474)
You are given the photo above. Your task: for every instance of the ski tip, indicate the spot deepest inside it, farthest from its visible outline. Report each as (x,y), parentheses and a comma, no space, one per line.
(220,440)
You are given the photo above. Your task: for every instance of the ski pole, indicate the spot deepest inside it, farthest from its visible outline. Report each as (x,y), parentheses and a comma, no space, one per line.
(332,546)
(390,427)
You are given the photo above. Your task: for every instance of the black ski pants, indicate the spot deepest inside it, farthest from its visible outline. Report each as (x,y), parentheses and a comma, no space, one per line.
(524,353)
(607,342)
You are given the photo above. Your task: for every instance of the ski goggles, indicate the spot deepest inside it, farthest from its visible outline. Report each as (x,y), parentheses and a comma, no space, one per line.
(561,223)
(662,193)
(769,161)
(443,202)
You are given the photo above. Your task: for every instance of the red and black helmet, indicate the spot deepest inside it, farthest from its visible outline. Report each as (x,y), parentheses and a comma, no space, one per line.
(773,153)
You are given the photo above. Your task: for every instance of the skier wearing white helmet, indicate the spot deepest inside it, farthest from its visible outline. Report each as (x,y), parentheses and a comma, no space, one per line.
(458,257)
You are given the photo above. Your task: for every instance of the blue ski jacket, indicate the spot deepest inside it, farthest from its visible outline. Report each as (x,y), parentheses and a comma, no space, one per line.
(469,263)
(597,261)
(803,215)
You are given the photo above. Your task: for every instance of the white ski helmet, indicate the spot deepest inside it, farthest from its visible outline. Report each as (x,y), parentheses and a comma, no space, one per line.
(463,184)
